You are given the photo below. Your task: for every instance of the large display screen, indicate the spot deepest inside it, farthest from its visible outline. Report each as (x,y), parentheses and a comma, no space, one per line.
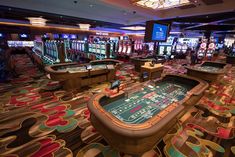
(156,31)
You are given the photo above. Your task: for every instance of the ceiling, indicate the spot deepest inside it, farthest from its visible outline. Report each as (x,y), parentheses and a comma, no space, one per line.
(222,22)
(118,11)
(201,15)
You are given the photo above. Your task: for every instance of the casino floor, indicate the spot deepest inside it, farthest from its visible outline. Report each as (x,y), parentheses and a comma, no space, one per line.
(39,118)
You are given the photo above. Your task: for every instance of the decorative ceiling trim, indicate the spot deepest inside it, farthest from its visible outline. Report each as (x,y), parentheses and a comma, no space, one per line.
(160,4)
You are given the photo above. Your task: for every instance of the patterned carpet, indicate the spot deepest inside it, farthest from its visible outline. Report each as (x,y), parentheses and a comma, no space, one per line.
(39,119)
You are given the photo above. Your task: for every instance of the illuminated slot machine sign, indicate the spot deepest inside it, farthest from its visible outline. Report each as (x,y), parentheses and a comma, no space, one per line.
(11,43)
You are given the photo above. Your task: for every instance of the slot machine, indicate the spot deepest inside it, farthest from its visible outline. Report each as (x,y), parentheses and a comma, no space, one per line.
(120,47)
(112,46)
(151,46)
(161,50)
(82,46)
(67,49)
(202,50)
(124,48)
(168,50)
(210,49)
(77,46)
(98,50)
(89,47)
(50,51)
(56,52)
(129,48)
(178,48)
(136,45)
(103,50)
(184,48)
(141,46)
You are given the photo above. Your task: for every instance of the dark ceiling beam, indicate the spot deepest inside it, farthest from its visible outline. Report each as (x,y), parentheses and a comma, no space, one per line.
(210,23)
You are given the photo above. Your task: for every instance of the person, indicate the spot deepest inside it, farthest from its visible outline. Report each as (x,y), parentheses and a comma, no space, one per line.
(188,57)
(3,70)
(193,57)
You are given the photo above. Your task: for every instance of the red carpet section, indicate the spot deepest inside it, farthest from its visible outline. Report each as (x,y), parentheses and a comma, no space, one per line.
(38,119)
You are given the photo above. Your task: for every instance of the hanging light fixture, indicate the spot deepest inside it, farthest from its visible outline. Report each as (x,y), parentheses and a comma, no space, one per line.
(160,4)
(37,21)
(84,26)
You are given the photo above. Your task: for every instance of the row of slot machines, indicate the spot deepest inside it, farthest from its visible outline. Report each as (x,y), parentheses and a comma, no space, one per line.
(125,48)
(206,50)
(50,51)
(97,51)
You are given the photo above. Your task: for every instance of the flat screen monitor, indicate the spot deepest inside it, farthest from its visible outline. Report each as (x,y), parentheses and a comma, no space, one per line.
(115,84)
(88,67)
(156,32)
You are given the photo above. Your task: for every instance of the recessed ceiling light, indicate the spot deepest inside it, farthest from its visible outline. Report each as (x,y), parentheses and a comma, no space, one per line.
(84,26)
(134,28)
(91,5)
(37,21)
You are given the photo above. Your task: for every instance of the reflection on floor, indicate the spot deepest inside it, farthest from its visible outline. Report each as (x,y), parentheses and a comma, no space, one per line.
(39,119)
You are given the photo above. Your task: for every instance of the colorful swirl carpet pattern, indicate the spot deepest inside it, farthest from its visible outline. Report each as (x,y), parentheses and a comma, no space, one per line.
(39,119)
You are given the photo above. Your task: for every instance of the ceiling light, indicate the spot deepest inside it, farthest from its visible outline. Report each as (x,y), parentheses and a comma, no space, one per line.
(134,28)
(160,4)
(37,21)
(84,26)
